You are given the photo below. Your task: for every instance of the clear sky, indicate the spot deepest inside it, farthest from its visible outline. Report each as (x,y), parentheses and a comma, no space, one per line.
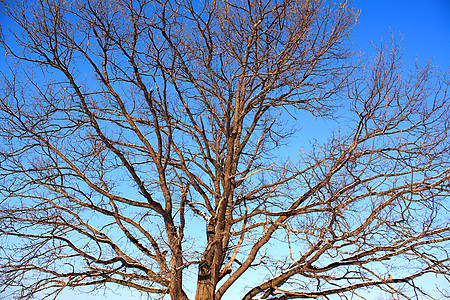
(425,27)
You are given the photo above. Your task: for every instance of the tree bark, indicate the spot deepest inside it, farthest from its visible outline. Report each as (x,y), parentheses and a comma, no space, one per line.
(205,285)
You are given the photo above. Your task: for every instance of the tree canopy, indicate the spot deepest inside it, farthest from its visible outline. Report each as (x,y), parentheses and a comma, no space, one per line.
(165,146)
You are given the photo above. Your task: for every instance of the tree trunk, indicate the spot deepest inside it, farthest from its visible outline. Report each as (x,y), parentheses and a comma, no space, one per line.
(176,287)
(205,286)
(178,294)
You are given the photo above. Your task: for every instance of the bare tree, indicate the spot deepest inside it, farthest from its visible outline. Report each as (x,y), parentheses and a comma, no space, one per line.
(141,145)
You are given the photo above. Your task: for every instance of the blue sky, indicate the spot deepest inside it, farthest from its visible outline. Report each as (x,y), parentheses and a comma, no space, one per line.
(424,25)
(425,28)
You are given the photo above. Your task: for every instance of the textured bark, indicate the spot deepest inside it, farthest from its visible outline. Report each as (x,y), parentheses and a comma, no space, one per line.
(205,284)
